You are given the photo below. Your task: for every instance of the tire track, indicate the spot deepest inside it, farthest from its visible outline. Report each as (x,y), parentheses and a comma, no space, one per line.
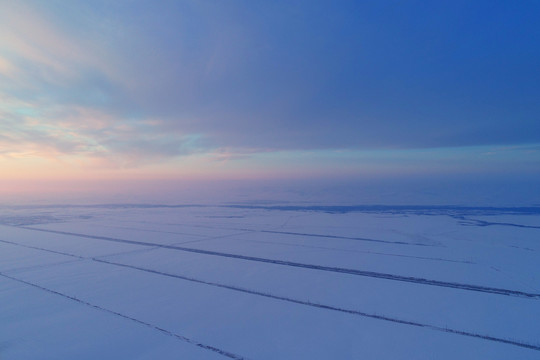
(42,249)
(284,233)
(329,307)
(361,251)
(372,274)
(340,237)
(155,327)
(267,295)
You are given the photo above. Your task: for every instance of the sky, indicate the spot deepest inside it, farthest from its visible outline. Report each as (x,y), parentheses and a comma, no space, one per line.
(97,92)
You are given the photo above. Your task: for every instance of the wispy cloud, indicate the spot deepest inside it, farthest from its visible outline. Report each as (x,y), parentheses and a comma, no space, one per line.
(55,97)
(45,53)
(128,84)
(87,132)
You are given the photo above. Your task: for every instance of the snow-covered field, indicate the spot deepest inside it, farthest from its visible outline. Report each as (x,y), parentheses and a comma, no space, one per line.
(248,282)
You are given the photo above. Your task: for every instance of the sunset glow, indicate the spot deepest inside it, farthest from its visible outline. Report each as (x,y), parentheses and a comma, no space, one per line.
(198,91)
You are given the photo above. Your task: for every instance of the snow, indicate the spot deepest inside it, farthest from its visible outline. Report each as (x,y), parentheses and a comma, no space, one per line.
(209,282)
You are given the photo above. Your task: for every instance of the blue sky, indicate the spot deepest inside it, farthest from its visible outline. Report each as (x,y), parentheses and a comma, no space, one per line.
(244,89)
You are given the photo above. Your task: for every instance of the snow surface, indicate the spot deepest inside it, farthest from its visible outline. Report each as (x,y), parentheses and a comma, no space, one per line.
(255,282)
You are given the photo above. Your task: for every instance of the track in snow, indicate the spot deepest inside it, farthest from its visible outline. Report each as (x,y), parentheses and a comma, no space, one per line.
(257,293)
(372,274)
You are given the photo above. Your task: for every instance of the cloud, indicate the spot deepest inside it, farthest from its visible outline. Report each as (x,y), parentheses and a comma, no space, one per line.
(46,52)
(70,132)
(138,82)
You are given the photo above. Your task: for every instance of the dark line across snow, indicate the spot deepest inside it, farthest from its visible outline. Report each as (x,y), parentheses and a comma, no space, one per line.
(259,293)
(162,330)
(328,307)
(372,274)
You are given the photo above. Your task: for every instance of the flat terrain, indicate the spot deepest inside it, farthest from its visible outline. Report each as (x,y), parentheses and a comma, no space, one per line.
(265,282)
